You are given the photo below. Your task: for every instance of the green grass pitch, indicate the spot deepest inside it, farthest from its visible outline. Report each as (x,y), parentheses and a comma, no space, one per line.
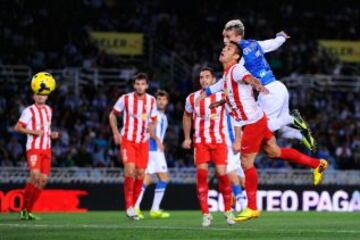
(181,225)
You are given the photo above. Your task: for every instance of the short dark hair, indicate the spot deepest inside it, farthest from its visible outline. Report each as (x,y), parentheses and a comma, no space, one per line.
(162,93)
(210,69)
(238,49)
(141,76)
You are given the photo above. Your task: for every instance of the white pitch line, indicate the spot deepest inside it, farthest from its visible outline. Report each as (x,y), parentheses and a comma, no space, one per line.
(97,226)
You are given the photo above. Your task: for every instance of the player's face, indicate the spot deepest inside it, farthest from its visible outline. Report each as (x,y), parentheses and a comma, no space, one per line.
(206,79)
(162,102)
(231,35)
(40,99)
(140,86)
(228,53)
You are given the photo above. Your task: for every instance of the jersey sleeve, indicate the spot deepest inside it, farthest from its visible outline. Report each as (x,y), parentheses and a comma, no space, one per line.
(153,112)
(189,105)
(25,117)
(272,44)
(217,87)
(239,73)
(119,106)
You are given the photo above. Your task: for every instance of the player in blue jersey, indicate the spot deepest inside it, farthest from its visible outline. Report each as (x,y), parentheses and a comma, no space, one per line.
(276,103)
(233,169)
(157,162)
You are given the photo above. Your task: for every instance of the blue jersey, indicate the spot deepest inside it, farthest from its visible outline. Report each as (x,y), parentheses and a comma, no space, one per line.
(255,61)
(160,130)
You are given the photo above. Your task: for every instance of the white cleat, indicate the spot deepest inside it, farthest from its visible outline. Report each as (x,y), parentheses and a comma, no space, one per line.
(206,221)
(131,213)
(229,216)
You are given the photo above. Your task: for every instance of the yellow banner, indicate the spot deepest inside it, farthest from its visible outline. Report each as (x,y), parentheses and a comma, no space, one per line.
(119,43)
(347,51)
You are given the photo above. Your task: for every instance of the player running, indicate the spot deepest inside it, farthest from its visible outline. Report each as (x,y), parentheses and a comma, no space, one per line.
(276,103)
(238,84)
(157,162)
(35,122)
(209,141)
(138,108)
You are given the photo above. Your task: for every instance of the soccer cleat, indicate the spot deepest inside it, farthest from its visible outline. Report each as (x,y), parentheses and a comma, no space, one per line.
(229,216)
(299,123)
(206,221)
(159,214)
(247,214)
(130,213)
(33,217)
(319,171)
(24,215)
(139,213)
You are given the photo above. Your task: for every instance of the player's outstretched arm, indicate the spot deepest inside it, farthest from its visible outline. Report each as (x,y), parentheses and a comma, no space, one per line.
(21,129)
(114,128)
(217,104)
(273,44)
(187,121)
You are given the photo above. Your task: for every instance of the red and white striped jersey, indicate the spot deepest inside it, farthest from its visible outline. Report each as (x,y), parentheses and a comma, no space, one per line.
(137,115)
(208,123)
(239,95)
(37,118)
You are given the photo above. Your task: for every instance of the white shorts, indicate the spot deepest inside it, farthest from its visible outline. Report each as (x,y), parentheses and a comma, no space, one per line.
(157,163)
(275,104)
(234,163)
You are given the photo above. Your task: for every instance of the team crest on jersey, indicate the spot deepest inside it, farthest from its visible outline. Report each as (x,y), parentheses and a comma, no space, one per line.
(144,116)
(213,116)
(226,92)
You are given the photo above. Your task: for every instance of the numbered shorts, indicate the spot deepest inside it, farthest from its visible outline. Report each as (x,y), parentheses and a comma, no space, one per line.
(137,153)
(254,135)
(215,152)
(39,159)
(157,162)
(234,163)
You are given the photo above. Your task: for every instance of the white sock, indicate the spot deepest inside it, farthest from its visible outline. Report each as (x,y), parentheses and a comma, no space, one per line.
(138,202)
(158,195)
(291,133)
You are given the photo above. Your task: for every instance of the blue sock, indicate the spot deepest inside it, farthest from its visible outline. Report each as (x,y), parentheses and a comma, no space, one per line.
(237,190)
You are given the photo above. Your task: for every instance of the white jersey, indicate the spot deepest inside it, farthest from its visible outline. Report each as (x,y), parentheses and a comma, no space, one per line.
(37,118)
(229,131)
(137,115)
(160,129)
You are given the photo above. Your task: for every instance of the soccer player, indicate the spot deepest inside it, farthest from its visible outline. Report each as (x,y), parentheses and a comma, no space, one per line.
(35,122)
(276,103)
(234,169)
(238,86)
(157,162)
(209,141)
(139,114)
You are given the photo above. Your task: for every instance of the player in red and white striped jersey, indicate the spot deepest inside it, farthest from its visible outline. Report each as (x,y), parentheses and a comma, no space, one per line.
(209,142)
(35,122)
(139,114)
(238,86)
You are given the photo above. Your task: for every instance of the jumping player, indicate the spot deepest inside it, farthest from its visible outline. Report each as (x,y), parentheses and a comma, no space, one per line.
(238,85)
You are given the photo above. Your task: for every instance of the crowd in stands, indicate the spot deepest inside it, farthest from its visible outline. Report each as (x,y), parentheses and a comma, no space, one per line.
(55,34)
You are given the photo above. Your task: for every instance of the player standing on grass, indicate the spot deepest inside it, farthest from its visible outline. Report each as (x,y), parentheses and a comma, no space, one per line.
(238,85)
(209,143)
(35,122)
(139,116)
(157,162)
(234,169)
(276,103)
